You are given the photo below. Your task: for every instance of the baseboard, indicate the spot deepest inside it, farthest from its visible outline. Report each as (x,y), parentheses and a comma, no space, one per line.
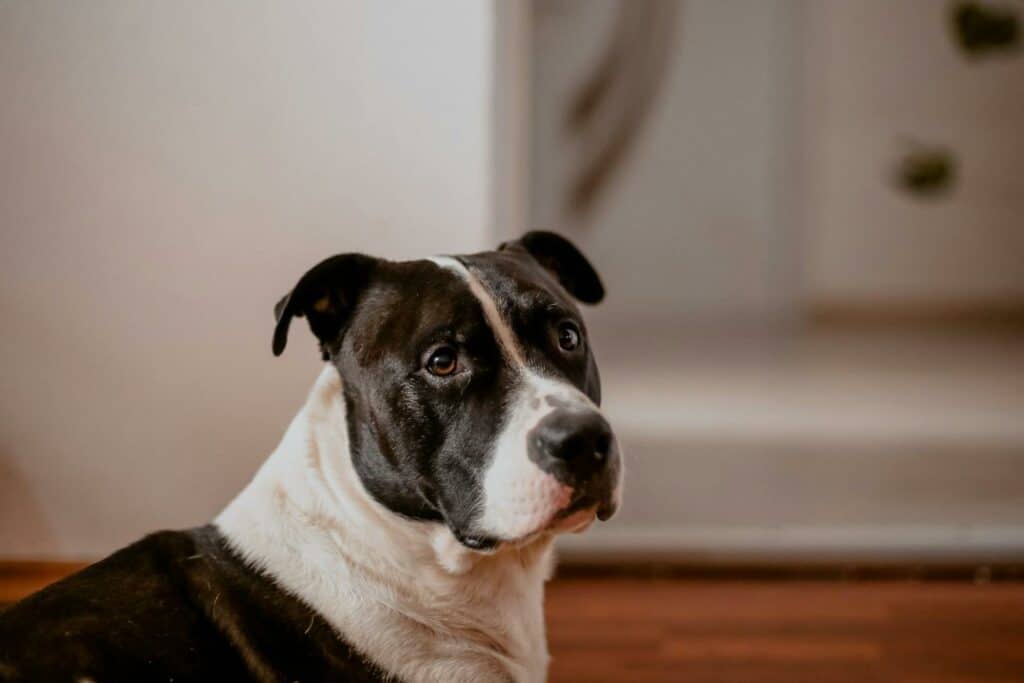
(920,545)
(844,572)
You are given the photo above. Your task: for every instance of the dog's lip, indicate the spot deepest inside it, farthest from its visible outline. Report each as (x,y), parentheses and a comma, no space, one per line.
(580,513)
(579,502)
(575,517)
(604,507)
(574,522)
(606,510)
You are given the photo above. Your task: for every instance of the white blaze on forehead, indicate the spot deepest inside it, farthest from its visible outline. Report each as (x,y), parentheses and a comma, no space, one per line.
(502,331)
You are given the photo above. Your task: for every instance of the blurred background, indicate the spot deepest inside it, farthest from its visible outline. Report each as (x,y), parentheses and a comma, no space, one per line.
(809,217)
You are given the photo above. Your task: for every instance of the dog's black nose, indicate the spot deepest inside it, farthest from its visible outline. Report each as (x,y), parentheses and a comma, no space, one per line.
(572,445)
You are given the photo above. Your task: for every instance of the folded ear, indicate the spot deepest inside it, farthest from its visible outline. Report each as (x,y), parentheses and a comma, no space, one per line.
(562,259)
(326,296)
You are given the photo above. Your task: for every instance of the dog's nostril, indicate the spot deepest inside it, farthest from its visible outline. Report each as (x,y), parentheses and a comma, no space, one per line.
(573,448)
(574,438)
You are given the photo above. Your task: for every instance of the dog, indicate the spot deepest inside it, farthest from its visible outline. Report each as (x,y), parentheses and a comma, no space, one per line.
(402,530)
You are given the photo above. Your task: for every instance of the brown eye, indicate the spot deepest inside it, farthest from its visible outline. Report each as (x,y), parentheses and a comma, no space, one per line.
(443,361)
(568,336)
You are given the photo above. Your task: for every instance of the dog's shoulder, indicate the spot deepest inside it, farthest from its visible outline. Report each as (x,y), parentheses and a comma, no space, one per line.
(176,605)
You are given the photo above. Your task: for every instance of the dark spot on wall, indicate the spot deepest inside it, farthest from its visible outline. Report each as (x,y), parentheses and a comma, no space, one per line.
(926,172)
(981,29)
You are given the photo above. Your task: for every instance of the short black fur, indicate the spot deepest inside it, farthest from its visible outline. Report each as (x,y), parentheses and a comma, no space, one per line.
(326,296)
(560,257)
(176,606)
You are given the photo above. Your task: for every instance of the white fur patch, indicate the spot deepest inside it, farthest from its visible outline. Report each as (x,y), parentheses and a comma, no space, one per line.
(506,338)
(403,593)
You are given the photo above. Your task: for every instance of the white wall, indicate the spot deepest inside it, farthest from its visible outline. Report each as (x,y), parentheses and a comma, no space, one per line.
(168,171)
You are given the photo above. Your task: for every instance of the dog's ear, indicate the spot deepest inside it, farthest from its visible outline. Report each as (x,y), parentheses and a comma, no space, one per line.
(326,296)
(562,259)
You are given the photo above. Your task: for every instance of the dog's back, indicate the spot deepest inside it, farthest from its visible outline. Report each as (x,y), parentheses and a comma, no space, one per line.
(175,606)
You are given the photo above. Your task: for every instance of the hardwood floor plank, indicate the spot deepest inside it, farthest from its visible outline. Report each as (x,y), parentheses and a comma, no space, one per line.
(723,631)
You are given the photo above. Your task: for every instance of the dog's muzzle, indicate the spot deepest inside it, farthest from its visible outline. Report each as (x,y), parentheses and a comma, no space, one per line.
(577,447)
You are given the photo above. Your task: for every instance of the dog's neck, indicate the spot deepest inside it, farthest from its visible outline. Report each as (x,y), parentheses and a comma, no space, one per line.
(404,593)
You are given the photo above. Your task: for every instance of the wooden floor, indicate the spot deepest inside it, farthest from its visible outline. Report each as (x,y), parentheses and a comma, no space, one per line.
(695,630)
(785,631)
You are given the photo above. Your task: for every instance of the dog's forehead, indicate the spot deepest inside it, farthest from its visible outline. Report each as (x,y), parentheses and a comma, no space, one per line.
(516,281)
(413,301)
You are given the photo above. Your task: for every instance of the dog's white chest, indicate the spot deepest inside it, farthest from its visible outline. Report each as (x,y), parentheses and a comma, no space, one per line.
(388,586)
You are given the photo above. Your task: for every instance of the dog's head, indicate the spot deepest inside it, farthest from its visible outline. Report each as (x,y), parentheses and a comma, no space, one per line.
(470,385)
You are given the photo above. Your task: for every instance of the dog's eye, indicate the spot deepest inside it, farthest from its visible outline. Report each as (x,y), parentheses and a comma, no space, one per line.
(568,336)
(443,361)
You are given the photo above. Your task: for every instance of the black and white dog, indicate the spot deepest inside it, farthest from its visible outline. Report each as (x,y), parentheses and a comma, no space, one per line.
(402,529)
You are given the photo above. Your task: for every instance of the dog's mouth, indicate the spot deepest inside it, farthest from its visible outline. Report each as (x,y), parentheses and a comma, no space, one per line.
(581,507)
(602,506)
(576,517)
(580,513)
